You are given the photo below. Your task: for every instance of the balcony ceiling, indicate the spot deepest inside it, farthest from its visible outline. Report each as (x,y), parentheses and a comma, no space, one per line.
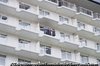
(86,4)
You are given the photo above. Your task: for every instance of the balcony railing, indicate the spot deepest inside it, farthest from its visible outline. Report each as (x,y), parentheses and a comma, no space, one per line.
(4,1)
(98,47)
(96,30)
(67,4)
(83,42)
(84,10)
(96,15)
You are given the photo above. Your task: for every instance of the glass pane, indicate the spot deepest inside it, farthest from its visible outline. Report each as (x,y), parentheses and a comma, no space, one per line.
(69,55)
(21,6)
(42,47)
(84,59)
(63,54)
(66,20)
(24,44)
(98,47)
(48,50)
(78,24)
(41,30)
(60,19)
(21,24)
(83,26)
(20,45)
(3,38)
(2,61)
(0,17)
(26,61)
(4,18)
(27,25)
(55,1)
(0,0)
(67,37)
(84,43)
(47,14)
(62,36)
(24,6)
(5,1)
(98,31)
(41,12)
(98,60)
(27,46)
(20,60)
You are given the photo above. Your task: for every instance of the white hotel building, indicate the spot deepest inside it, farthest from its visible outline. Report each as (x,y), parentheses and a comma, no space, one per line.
(22,38)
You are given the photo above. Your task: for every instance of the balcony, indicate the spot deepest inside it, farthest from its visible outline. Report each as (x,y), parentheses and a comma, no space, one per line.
(48,38)
(47,21)
(33,2)
(7,8)
(84,15)
(52,4)
(69,27)
(6,48)
(98,50)
(85,32)
(68,44)
(96,19)
(6,27)
(27,14)
(68,61)
(55,5)
(96,34)
(51,58)
(26,53)
(86,49)
(66,8)
(26,33)
(45,53)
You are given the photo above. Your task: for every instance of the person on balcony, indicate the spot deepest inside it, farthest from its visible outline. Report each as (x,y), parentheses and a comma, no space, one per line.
(49,32)
(45,30)
(53,32)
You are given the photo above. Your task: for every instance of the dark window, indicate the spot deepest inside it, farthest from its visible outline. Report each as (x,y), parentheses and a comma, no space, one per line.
(24,6)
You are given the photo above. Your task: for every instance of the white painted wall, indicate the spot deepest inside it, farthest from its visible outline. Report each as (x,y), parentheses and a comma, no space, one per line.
(12,40)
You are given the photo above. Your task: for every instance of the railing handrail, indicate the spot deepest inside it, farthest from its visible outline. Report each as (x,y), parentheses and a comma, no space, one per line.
(85,9)
(96,15)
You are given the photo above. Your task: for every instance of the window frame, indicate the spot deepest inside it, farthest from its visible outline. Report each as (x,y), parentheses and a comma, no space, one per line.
(4,58)
(23,61)
(64,36)
(4,1)
(2,20)
(81,25)
(81,40)
(82,59)
(44,13)
(4,36)
(22,24)
(23,6)
(24,45)
(62,19)
(44,48)
(66,54)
